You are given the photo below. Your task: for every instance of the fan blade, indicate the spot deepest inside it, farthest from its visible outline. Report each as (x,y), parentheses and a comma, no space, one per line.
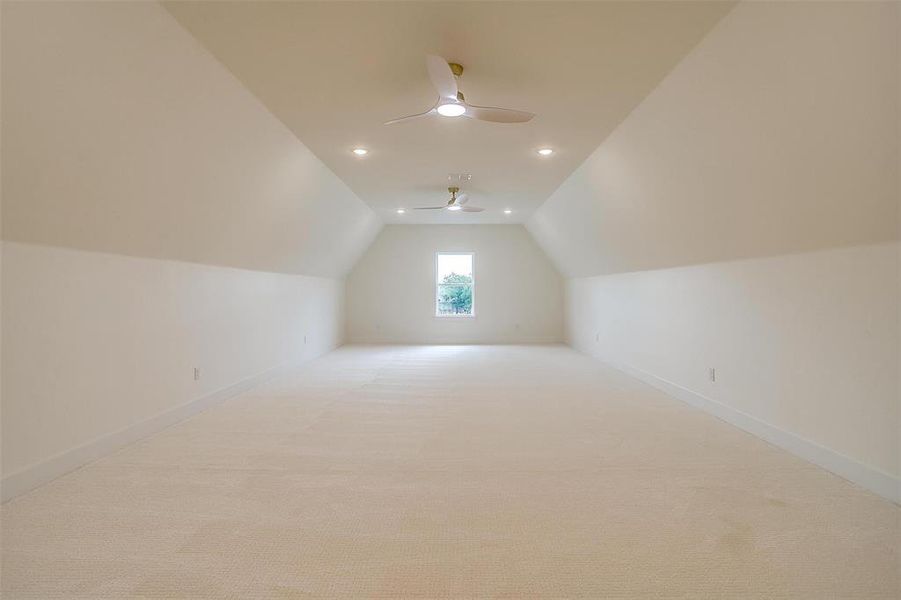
(472,209)
(497,115)
(429,207)
(462,199)
(411,117)
(442,77)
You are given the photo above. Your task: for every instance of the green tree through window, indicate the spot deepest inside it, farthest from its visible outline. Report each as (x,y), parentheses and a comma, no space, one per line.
(456,299)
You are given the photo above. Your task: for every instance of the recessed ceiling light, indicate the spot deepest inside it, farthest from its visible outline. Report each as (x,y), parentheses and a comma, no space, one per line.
(454,207)
(545,151)
(400,211)
(507,211)
(451,109)
(360,151)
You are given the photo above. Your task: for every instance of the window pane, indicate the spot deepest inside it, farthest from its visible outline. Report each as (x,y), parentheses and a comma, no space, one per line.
(454,268)
(454,299)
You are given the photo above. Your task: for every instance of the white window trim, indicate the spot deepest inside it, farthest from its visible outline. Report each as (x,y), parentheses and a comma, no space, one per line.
(472,315)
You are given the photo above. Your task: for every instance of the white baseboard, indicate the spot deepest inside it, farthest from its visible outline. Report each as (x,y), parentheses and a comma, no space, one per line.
(38,474)
(870,478)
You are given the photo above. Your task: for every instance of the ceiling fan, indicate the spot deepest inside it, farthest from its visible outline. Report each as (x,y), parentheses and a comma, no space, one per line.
(451,102)
(455,203)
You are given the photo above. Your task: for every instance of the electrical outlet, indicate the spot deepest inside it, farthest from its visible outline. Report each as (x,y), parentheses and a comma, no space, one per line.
(711,374)
(196,374)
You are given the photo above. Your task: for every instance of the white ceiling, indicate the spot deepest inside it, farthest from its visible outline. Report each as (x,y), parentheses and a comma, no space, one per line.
(747,149)
(333,72)
(122,135)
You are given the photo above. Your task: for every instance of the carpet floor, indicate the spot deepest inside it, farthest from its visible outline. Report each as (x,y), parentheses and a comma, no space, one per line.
(451,472)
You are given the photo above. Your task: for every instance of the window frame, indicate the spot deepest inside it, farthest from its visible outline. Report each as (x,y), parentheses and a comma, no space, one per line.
(472,313)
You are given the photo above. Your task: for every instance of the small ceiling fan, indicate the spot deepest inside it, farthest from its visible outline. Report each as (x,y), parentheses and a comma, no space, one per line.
(455,203)
(451,102)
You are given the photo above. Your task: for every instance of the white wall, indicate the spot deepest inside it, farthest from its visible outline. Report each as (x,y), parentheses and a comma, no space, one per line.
(745,217)
(806,343)
(94,343)
(133,162)
(391,291)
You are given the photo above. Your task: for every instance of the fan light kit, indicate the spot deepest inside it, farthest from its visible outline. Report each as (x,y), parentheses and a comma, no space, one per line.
(545,151)
(360,151)
(451,103)
(451,109)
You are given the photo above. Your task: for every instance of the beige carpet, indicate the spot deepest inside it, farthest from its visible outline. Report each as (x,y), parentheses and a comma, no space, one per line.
(451,472)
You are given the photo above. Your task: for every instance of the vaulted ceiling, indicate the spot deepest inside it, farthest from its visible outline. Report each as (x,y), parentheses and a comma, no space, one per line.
(333,72)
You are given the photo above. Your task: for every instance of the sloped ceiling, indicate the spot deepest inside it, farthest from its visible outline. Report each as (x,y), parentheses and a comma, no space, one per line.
(333,72)
(777,134)
(122,134)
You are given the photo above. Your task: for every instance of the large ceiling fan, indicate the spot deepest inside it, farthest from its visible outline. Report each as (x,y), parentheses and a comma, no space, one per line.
(451,102)
(455,203)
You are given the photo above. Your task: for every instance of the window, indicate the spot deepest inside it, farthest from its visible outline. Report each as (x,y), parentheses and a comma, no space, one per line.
(454,285)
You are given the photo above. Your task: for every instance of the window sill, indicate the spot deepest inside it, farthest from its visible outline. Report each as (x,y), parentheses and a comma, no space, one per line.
(453,317)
